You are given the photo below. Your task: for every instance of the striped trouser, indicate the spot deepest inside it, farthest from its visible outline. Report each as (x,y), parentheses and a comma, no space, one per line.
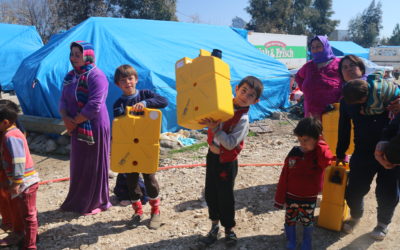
(302,211)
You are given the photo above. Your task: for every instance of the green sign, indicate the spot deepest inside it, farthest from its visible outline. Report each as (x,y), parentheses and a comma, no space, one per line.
(288,52)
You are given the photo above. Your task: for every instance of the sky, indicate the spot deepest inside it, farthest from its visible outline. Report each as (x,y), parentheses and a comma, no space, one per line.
(221,12)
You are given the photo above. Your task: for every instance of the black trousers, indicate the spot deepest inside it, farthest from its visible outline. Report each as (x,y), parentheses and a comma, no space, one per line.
(363,168)
(220,180)
(150,183)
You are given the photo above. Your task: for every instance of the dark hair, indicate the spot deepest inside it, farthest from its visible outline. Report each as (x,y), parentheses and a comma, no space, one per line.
(309,126)
(396,74)
(354,91)
(8,110)
(253,83)
(392,150)
(74,44)
(123,71)
(354,59)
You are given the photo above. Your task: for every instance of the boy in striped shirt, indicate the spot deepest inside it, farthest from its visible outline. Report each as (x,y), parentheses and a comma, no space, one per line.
(23,180)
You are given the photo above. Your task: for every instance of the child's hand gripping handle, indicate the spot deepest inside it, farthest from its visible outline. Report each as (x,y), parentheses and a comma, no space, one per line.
(131,111)
(151,114)
(344,162)
(137,113)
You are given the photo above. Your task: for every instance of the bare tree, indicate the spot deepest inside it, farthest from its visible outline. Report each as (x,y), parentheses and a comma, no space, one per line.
(42,14)
(73,12)
(39,13)
(147,9)
(6,12)
(52,16)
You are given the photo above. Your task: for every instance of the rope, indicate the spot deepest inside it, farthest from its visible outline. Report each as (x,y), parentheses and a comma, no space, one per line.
(177,166)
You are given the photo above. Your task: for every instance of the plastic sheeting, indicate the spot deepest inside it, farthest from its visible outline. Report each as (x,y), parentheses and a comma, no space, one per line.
(152,47)
(343,48)
(16,43)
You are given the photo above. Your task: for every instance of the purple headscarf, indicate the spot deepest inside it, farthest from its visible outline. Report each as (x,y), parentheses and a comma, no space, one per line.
(326,54)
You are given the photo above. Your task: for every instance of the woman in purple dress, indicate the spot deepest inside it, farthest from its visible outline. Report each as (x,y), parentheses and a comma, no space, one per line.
(85,116)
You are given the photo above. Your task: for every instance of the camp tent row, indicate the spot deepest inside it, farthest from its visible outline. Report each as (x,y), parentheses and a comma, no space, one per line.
(152,47)
(16,43)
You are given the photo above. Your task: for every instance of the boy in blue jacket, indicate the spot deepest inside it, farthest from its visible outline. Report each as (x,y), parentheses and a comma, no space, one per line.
(126,78)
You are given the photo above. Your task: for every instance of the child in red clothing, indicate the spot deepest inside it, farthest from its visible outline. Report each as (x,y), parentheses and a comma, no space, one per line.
(12,223)
(5,213)
(300,180)
(22,178)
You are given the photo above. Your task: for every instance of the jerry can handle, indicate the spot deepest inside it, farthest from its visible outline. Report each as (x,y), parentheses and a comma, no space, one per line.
(137,113)
(336,174)
(129,112)
(336,178)
(204,52)
(345,166)
(182,62)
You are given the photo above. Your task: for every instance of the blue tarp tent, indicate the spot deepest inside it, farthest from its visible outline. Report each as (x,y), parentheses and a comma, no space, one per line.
(152,47)
(16,43)
(342,48)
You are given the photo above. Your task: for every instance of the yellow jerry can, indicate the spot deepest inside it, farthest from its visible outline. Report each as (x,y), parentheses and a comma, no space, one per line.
(332,215)
(330,125)
(203,90)
(333,208)
(135,146)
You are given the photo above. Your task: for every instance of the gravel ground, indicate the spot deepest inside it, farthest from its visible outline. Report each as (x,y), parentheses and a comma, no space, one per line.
(259,225)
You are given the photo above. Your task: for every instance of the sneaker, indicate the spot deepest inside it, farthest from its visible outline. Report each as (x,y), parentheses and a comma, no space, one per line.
(135,221)
(349,225)
(211,237)
(379,232)
(230,239)
(155,221)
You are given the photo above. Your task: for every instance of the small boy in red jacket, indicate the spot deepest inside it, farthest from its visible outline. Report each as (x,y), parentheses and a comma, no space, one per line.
(300,180)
